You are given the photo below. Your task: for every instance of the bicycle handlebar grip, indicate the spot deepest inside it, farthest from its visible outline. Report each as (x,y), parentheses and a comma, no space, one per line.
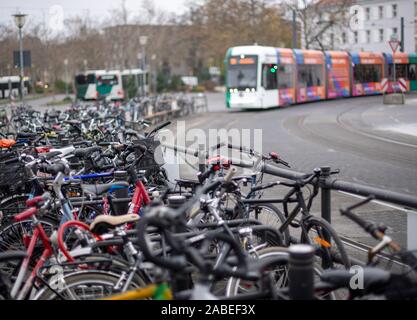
(11,161)
(203,176)
(229,177)
(26,214)
(33,202)
(51,155)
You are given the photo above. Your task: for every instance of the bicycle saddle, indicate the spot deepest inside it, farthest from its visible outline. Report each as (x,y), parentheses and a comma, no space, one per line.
(103,224)
(372,277)
(26,135)
(100,189)
(85,152)
(73,122)
(184,183)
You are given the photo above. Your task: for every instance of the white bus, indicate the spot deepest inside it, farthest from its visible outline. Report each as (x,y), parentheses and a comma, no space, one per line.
(111,85)
(9,86)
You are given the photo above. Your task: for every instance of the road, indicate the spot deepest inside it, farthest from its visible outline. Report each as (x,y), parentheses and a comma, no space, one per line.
(369,142)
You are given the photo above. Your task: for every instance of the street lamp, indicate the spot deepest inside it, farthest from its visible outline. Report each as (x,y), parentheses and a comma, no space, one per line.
(143,40)
(66,77)
(20,20)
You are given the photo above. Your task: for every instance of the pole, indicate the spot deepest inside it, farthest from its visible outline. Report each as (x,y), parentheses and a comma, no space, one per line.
(66,78)
(402,35)
(294,29)
(394,73)
(144,71)
(301,272)
(22,72)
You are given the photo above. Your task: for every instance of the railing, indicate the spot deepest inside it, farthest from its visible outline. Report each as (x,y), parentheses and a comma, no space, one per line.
(157,110)
(327,184)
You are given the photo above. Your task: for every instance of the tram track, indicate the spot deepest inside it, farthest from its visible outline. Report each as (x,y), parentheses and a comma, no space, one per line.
(349,140)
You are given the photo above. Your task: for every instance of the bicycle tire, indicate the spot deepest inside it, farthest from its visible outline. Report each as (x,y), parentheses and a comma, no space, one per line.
(84,279)
(279,215)
(233,284)
(334,238)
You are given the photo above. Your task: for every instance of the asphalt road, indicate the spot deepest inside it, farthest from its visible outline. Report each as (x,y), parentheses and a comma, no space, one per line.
(369,142)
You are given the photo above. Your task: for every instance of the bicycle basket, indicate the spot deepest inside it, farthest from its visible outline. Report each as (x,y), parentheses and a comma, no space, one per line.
(152,160)
(13,177)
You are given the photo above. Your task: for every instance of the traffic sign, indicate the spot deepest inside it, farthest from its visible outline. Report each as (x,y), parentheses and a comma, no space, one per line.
(394,43)
(384,85)
(402,84)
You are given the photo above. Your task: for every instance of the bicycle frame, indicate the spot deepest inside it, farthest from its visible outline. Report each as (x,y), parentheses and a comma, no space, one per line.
(39,233)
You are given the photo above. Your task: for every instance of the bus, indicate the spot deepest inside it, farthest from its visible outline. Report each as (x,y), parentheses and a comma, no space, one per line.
(259,77)
(86,85)
(112,85)
(10,86)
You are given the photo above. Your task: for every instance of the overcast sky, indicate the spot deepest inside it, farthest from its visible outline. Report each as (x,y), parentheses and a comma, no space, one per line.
(39,9)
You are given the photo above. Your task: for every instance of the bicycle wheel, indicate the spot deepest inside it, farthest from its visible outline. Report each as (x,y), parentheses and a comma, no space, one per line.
(14,236)
(11,207)
(329,250)
(236,286)
(271,216)
(88,285)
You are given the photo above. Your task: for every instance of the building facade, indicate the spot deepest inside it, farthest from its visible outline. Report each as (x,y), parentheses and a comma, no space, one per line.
(378,20)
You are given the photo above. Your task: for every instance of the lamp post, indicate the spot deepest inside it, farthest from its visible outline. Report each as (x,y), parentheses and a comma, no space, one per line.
(143,40)
(20,20)
(140,80)
(66,77)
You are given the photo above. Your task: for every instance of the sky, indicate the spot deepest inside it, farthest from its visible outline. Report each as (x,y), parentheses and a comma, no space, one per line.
(39,10)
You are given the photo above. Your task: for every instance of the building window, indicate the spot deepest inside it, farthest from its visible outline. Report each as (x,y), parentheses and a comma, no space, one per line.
(395,31)
(368,36)
(394,10)
(368,14)
(355,37)
(381,12)
(381,35)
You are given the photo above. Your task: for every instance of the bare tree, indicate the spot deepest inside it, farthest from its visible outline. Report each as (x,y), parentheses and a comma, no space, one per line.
(316,17)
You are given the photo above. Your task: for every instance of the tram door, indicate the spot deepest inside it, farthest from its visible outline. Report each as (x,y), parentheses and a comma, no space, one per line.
(269,85)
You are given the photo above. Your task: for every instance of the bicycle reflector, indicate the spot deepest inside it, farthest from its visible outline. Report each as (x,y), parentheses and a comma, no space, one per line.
(322,242)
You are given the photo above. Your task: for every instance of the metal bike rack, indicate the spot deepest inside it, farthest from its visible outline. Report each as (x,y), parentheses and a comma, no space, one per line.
(328,183)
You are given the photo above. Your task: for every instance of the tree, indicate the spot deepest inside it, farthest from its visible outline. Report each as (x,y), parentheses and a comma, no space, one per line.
(316,17)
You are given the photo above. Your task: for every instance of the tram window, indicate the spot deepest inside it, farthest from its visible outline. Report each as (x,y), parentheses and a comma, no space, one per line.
(269,76)
(242,77)
(310,75)
(107,80)
(285,76)
(401,71)
(365,73)
(81,79)
(91,78)
(412,72)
